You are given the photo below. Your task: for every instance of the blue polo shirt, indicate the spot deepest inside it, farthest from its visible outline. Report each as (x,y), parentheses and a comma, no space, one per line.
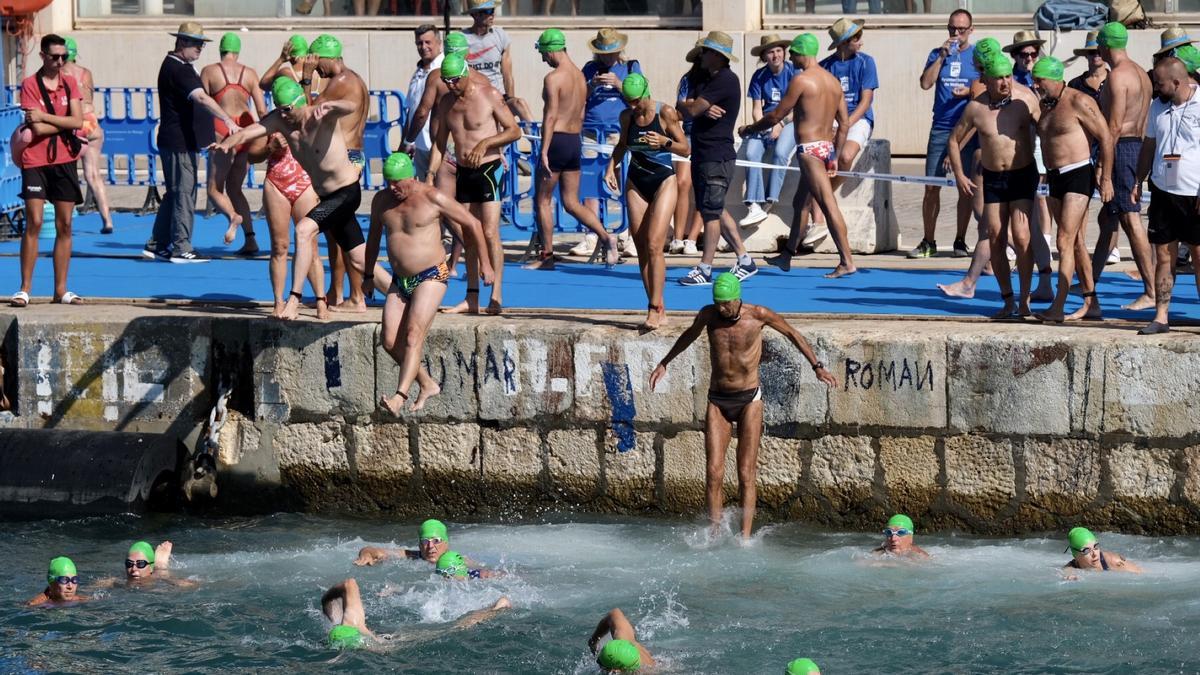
(604,103)
(768,87)
(1024,77)
(958,70)
(855,74)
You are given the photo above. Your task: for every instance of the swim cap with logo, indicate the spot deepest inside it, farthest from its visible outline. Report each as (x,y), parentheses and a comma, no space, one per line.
(1189,55)
(802,667)
(455,43)
(805,44)
(287,91)
(145,549)
(432,529)
(61,566)
(454,66)
(726,287)
(299,46)
(398,166)
(73,49)
(230,42)
(634,87)
(1048,68)
(1113,35)
(345,637)
(326,46)
(619,655)
(998,66)
(901,520)
(1079,538)
(552,40)
(986,48)
(452,564)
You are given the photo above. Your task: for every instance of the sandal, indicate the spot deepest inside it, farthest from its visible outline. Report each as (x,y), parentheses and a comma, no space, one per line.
(19,299)
(69,298)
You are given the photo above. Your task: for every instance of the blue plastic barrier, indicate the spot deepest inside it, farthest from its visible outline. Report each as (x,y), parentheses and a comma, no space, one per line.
(14,94)
(129,132)
(390,113)
(12,207)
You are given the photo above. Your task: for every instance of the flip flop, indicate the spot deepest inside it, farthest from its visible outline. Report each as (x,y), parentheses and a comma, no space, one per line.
(19,299)
(69,298)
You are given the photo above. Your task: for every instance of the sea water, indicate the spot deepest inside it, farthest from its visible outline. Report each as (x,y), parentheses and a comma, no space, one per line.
(702,604)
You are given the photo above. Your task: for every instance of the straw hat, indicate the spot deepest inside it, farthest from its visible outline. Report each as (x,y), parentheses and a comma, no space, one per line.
(769,42)
(191,30)
(476,5)
(1171,38)
(608,41)
(1022,38)
(843,29)
(1091,45)
(718,42)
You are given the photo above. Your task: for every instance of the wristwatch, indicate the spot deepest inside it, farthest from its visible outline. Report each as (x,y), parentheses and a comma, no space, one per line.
(817,366)
(306,82)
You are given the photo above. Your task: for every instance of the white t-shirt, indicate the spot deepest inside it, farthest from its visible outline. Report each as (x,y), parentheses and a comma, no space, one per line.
(416,90)
(1176,128)
(484,53)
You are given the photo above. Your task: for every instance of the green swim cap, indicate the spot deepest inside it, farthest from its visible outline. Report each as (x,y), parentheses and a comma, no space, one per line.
(552,40)
(326,46)
(455,43)
(452,564)
(230,42)
(805,44)
(345,637)
(619,655)
(1048,68)
(635,86)
(454,65)
(299,46)
(901,520)
(1190,57)
(73,49)
(986,48)
(998,66)
(398,166)
(1079,538)
(287,91)
(431,528)
(145,549)
(726,287)
(1114,35)
(802,667)
(61,566)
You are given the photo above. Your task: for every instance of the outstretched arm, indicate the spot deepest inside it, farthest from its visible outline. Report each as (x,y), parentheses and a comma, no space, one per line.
(685,340)
(790,98)
(615,624)
(770,318)
(257,130)
(480,615)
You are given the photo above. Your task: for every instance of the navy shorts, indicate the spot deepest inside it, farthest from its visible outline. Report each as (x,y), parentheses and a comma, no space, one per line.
(565,152)
(1124,177)
(939,146)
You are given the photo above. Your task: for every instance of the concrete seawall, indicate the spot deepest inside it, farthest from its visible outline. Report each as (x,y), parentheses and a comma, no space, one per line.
(970,425)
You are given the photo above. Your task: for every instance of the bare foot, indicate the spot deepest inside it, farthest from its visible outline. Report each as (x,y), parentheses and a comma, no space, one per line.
(1134,274)
(230,234)
(1051,315)
(464,307)
(1090,310)
(495,308)
(1143,302)
(545,264)
(394,403)
(502,603)
(291,310)
(655,317)
(1024,309)
(277,311)
(333,299)
(428,391)
(162,555)
(1044,292)
(453,271)
(841,271)
(958,289)
(783,261)
(322,309)
(350,307)
(1006,312)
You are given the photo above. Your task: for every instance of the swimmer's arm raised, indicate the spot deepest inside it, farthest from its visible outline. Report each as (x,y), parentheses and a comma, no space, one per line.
(615,624)
(703,317)
(274,70)
(772,319)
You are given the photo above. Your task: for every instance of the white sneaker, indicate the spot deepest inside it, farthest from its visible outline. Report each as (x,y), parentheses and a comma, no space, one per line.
(676,247)
(689,247)
(723,246)
(816,234)
(1114,256)
(753,216)
(585,245)
(1012,255)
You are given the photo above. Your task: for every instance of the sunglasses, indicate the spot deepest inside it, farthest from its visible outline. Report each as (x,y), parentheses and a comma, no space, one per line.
(899,532)
(956,29)
(1027,55)
(432,541)
(63,581)
(55,57)
(140,564)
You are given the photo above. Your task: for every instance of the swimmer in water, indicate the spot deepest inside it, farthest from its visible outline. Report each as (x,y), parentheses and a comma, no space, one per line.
(623,653)
(802,667)
(454,566)
(1086,555)
(898,538)
(342,605)
(432,541)
(62,585)
(145,564)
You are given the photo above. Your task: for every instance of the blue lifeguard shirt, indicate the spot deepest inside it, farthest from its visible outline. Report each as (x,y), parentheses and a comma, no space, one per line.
(768,87)
(855,74)
(958,70)
(1024,77)
(604,103)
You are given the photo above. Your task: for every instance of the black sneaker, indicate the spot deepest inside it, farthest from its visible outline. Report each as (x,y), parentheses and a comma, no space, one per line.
(188,257)
(160,255)
(925,249)
(960,249)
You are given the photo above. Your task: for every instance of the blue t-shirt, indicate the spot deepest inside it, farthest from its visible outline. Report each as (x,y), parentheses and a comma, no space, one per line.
(769,88)
(958,70)
(855,74)
(604,103)
(681,93)
(1024,77)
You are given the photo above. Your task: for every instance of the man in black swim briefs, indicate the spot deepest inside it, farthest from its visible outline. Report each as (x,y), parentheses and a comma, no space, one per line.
(735,351)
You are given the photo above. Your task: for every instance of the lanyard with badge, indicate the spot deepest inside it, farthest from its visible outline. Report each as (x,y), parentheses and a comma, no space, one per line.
(1171,158)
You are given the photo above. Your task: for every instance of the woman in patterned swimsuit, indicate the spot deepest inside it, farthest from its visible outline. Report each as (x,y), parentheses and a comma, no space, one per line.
(287,196)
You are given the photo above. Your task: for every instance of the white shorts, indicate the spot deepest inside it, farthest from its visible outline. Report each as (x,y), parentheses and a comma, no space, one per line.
(860,132)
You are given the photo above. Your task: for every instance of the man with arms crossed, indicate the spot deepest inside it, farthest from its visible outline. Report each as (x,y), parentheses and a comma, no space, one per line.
(481,125)
(412,214)
(815,99)
(735,350)
(564,91)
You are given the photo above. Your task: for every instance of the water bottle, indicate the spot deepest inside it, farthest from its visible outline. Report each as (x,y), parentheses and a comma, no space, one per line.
(954,47)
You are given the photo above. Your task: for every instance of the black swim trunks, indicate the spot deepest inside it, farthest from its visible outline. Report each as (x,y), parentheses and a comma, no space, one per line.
(479,185)
(406,286)
(1001,187)
(732,404)
(1078,178)
(335,214)
(1172,218)
(1124,177)
(565,152)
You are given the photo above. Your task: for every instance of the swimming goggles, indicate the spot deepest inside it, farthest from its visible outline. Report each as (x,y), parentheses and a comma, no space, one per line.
(432,541)
(63,581)
(899,532)
(140,564)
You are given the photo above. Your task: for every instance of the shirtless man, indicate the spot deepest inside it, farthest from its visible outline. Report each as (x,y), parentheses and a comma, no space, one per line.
(432,541)
(1070,123)
(735,350)
(1125,101)
(564,91)
(623,653)
(412,213)
(317,140)
(1003,117)
(233,86)
(815,99)
(1086,555)
(475,116)
(62,585)
(898,538)
(93,133)
(340,84)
